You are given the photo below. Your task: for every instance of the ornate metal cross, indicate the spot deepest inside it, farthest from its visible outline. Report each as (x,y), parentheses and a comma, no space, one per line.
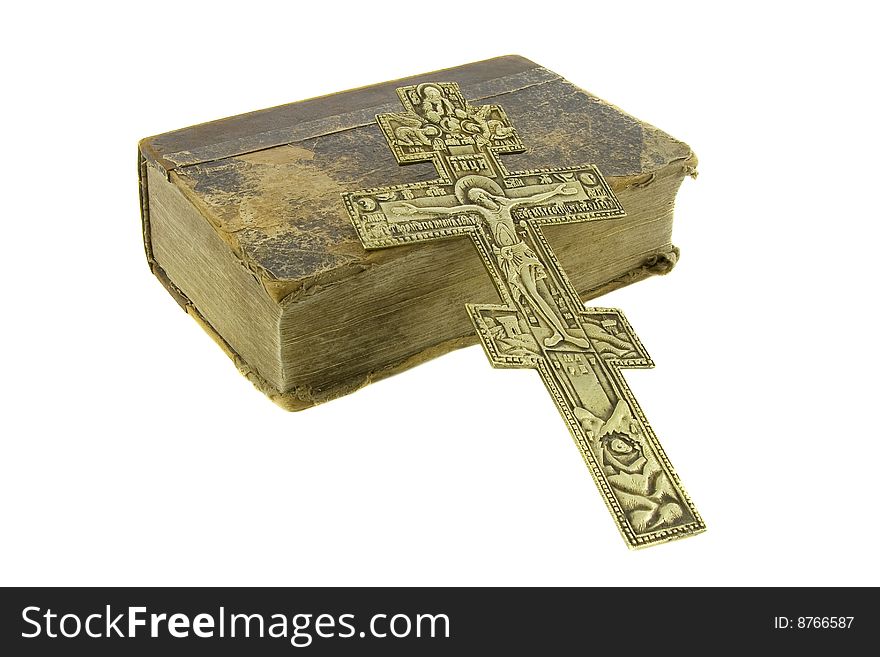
(541,323)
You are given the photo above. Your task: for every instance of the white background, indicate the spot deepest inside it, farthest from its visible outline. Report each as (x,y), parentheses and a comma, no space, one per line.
(133,453)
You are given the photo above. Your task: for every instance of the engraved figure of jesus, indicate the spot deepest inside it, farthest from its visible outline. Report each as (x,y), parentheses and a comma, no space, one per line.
(522,269)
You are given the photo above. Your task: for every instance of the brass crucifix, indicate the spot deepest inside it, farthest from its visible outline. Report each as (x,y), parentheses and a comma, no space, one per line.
(541,323)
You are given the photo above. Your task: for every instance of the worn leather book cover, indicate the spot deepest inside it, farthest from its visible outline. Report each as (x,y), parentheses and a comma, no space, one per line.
(244,223)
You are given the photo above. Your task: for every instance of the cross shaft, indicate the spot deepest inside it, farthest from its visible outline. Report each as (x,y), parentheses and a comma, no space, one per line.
(541,323)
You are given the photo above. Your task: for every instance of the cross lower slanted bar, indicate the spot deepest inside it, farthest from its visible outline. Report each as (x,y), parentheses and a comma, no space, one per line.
(541,322)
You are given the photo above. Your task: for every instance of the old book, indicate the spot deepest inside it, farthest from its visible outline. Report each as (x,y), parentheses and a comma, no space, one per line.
(244,224)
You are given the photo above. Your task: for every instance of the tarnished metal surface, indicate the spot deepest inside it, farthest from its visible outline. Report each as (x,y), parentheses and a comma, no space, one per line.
(541,323)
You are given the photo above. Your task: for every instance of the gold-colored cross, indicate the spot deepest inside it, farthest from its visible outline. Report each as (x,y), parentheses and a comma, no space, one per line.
(541,323)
